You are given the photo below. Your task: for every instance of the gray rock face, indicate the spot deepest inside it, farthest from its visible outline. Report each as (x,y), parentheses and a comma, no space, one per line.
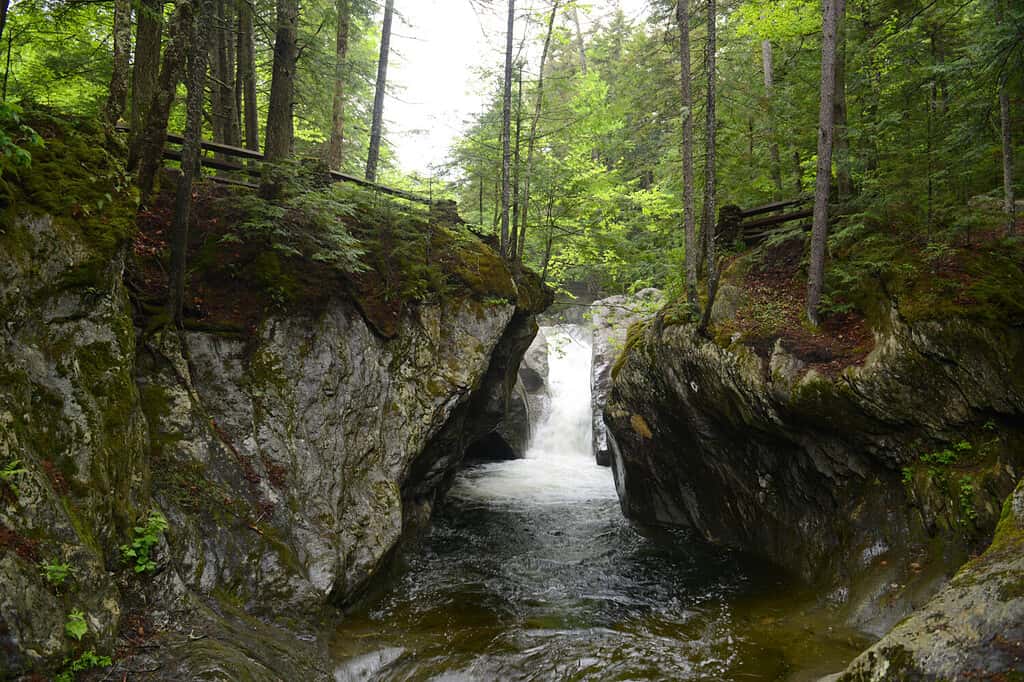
(973,629)
(289,465)
(854,482)
(312,429)
(527,402)
(610,320)
(73,435)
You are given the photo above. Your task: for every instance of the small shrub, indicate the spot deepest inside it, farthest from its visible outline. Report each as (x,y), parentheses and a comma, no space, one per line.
(56,574)
(139,552)
(8,473)
(13,135)
(87,661)
(76,626)
(968,514)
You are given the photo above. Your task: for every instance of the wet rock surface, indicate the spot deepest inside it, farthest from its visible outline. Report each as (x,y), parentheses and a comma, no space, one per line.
(855,483)
(290,464)
(973,629)
(610,319)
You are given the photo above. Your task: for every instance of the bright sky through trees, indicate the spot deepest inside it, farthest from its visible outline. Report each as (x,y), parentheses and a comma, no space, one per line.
(437,48)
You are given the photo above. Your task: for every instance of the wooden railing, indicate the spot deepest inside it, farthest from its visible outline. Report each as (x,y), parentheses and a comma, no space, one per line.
(225,150)
(734,222)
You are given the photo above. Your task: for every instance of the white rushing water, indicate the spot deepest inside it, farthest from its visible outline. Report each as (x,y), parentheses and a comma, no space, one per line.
(559,466)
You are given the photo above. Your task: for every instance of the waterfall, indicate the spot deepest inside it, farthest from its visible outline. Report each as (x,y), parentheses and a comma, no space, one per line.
(559,466)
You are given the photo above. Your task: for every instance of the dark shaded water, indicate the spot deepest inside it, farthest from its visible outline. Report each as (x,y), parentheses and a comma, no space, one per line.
(531,573)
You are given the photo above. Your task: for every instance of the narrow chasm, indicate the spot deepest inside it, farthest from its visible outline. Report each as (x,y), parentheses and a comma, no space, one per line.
(530,571)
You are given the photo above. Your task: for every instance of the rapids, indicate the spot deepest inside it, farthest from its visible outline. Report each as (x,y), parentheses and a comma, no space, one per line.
(530,572)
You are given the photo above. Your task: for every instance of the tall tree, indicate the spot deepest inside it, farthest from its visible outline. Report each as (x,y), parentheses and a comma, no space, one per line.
(246,78)
(689,210)
(580,45)
(768,67)
(5,5)
(118,93)
(1005,125)
(280,126)
(506,125)
(154,135)
(819,231)
(841,142)
(710,177)
(377,127)
(513,243)
(225,115)
(335,150)
(531,142)
(149,26)
(195,81)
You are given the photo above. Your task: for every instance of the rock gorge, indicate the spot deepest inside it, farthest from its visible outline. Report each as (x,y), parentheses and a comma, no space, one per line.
(875,483)
(290,461)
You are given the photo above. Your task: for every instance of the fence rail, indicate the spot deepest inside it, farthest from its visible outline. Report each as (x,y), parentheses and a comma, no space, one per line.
(734,222)
(227,150)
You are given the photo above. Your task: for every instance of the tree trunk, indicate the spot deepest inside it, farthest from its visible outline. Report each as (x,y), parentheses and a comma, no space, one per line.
(532,141)
(819,231)
(195,80)
(506,124)
(513,244)
(767,63)
(247,75)
(232,131)
(4,6)
(844,179)
(154,135)
(145,70)
(280,127)
(336,149)
(1005,124)
(377,129)
(1009,204)
(579,41)
(709,167)
(118,96)
(689,210)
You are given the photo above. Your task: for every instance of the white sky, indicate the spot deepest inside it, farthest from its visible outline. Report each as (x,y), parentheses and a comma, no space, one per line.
(437,48)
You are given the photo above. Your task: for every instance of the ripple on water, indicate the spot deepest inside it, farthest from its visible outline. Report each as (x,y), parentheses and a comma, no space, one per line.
(529,572)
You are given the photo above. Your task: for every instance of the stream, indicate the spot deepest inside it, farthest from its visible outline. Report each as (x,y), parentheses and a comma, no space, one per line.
(530,572)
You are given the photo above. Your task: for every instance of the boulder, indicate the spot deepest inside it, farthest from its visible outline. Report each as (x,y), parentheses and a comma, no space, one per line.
(610,319)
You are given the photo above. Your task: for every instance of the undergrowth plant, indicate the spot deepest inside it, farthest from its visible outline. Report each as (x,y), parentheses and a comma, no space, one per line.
(75,625)
(9,472)
(139,552)
(88,660)
(55,573)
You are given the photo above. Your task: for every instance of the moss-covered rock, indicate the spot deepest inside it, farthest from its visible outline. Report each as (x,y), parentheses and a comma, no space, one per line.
(839,479)
(69,409)
(973,629)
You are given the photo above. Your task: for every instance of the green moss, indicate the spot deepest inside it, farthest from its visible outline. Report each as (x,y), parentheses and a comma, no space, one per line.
(633,337)
(79,179)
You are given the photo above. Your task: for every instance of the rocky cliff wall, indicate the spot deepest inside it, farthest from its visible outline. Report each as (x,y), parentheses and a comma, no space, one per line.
(289,462)
(874,484)
(610,319)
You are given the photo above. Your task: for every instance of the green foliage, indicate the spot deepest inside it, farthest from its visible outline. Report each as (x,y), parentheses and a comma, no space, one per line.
(139,552)
(946,457)
(15,136)
(75,625)
(9,472)
(88,660)
(309,223)
(56,573)
(968,514)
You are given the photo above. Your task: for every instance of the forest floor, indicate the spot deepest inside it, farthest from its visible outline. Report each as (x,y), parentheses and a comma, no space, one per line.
(970,275)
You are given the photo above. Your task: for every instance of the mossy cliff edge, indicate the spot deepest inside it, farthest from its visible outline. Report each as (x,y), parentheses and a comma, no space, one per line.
(289,459)
(874,483)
